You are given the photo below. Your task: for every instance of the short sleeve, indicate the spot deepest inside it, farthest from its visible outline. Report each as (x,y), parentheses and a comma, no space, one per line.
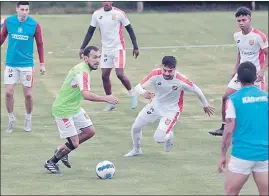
(230,111)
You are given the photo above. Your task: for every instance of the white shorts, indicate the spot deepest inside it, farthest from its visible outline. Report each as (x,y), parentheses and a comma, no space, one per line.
(110,59)
(235,84)
(23,75)
(71,126)
(245,167)
(167,121)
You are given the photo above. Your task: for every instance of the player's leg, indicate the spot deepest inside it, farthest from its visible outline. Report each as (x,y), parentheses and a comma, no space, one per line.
(11,77)
(68,131)
(233,86)
(236,175)
(119,61)
(106,65)
(145,116)
(164,132)
(26,78)
(260,175)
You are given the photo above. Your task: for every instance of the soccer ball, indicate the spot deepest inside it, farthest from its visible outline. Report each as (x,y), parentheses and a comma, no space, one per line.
(105,169)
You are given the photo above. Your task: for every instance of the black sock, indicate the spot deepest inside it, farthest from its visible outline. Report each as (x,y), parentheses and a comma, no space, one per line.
(54,159)
(222,126)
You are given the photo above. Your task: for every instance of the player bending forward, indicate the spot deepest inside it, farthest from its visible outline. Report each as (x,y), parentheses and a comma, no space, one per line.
(167,104)
(72,121)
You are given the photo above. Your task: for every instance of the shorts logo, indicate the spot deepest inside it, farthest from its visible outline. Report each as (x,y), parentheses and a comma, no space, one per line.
(167,121)
(238,41)
(86,116)
(251,42)
(28,77)
(174,88)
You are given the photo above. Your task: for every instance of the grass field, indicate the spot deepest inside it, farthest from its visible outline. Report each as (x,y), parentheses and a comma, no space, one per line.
(190,168)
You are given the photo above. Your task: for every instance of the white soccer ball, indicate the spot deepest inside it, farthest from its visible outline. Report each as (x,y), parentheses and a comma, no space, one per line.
(105,169)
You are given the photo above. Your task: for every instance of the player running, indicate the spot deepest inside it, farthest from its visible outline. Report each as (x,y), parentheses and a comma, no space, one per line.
(247,127)
(252,46)
(166,105)
(72,121)
(21,30)
(110,21)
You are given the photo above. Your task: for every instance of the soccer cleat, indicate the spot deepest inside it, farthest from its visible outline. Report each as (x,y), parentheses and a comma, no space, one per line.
(218,132)
(52,167)
(134,152)
(65,160)
(109,107)
(134,101)
(168,144)
(11,124)
(27,125)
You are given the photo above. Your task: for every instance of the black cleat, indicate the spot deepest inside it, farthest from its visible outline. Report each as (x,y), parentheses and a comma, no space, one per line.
(52,167)
(218,132)
(64,160)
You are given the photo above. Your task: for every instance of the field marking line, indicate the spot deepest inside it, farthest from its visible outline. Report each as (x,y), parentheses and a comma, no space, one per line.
(178,47)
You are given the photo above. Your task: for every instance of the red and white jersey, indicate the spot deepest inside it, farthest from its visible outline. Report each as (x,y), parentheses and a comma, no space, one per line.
(168,93)
(110,25)
(250,47)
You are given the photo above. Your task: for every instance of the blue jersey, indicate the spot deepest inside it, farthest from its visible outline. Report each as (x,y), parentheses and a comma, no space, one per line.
(20,41)
(250,137)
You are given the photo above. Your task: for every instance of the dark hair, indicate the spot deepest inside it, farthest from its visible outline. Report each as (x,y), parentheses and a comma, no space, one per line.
(242,11)
(247,72)
(22,3)
(88,50)
(169,61)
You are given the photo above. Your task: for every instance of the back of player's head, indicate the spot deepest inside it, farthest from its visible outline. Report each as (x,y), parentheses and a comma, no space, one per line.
(247,72)
(169,61)
(243,11)
(22,3)
(88,50)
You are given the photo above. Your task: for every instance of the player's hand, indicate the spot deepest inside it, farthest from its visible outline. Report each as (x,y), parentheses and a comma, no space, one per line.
(111,99)
(222,164)
(42,68)
(209,110)
(148,95)
(260,76)
(80,53)
(135,53)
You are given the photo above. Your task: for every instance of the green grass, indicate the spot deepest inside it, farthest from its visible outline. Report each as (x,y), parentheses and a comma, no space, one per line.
(191,167)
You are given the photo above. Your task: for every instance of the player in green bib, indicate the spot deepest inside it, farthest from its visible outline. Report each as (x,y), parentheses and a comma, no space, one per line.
(72,121)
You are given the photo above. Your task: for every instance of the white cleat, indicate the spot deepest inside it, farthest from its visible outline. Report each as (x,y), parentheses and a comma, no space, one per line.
(134,152)
(10,126)
(109,107)
(27,125)
(168,144)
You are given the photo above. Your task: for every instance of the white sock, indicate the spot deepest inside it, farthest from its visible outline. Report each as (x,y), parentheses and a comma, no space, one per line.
(131,92)
(136,137)
(28,116)
(11,115)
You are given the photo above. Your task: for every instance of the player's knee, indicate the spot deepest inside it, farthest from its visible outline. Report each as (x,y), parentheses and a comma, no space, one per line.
(28,96)
(72,145)
(9,94)
(231,190)
(159,136)
(105,76)
(90,133)
(120,76)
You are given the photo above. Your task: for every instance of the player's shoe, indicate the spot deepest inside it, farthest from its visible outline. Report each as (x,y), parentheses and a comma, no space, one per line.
(134,101)
(134,152)
(109,107)
(52,167)
(27,125)
(64,160)
(169,142)
(218,132)
(10,125)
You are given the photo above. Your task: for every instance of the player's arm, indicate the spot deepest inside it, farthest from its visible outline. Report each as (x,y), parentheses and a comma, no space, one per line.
(82,80)
(125,22)
(4,33)
(40,47)
(263,42)
(89,34)
(229,127)
(141,87)
(237,63)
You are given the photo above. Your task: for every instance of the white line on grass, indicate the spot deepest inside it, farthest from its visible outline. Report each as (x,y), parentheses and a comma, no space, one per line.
(177,47)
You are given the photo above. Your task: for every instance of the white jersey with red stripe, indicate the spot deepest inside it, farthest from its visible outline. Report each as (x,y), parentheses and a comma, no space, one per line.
(169,93)
(110,24)
(251,47)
